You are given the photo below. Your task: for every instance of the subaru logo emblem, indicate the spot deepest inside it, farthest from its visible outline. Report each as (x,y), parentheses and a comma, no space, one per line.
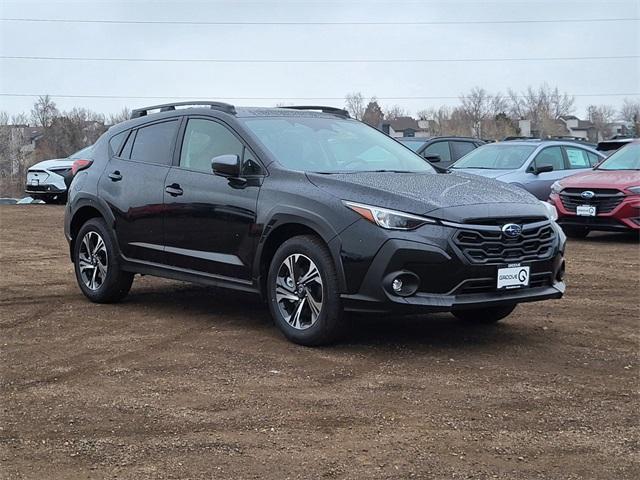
(511,230)
(587,194)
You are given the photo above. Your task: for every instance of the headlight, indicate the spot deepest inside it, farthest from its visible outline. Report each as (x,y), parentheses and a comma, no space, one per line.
(635,190)
(556,187)
(552,213)
(389,219)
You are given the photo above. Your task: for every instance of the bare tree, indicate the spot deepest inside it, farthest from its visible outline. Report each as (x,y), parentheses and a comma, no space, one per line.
(601,116)
(69,132)
(394,112)
(477,105)
(543,106)
(630,110)
(125,114)
(354,103)
(44,111)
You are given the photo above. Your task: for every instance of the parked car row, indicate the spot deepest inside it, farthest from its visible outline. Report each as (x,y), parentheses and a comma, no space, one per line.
(589,190)
(321,214)
(530,164)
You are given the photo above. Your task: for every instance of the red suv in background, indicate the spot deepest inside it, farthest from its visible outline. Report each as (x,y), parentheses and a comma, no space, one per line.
(605,198)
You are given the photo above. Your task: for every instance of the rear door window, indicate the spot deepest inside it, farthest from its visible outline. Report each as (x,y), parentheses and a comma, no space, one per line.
(460,149)
(154,143)
(438,148)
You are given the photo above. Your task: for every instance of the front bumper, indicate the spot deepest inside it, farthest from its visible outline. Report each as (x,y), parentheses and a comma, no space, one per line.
(44,190)
(624,217)
(449,280)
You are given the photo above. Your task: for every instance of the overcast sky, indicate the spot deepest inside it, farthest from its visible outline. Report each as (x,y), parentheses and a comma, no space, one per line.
(326,83)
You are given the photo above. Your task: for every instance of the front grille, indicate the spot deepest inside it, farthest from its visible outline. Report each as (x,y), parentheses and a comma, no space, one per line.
(605,199)
(484,246)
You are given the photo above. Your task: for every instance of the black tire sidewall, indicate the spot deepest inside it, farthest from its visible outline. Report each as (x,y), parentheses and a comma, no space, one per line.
(328,325)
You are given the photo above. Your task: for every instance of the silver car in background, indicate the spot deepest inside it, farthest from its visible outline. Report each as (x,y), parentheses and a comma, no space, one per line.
(49,180)
(530,164)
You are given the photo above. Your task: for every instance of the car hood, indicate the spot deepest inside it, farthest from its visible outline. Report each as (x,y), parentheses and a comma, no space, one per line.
(423,193)
(483,172)
(56,162)
(603,179)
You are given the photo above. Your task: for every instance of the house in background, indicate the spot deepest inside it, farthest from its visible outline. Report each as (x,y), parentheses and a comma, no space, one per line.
(621,127)
(405,127)
(582,129)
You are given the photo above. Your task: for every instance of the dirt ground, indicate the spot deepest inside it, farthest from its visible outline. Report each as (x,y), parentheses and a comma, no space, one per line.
(186,382)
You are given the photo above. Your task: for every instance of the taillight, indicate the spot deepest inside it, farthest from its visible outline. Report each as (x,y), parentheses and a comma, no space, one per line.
(80,165)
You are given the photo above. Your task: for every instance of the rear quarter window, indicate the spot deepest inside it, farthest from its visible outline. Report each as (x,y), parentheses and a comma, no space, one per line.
(115,142)
(154,143)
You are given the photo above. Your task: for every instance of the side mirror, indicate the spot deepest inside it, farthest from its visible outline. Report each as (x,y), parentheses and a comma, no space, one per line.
(543,169)
(433,158)
(226,165)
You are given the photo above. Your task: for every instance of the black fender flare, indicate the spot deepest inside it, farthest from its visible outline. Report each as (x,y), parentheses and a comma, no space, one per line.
(88,200)
(310,220)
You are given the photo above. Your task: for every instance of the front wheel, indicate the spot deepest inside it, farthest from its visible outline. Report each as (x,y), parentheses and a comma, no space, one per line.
(97,265)
(484,315)
(303,295)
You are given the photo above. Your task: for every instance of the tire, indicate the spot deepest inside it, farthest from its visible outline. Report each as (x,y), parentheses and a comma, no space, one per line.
(110,283)
(484,315)
(295,318)
(576,232)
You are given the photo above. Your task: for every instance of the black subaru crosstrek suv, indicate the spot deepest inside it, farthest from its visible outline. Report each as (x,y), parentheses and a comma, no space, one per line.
(316,212)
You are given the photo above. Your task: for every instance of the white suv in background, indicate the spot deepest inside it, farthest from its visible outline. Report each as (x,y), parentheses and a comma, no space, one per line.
(48,180)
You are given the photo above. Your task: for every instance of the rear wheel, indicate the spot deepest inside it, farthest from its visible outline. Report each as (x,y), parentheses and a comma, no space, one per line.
(484,315)
(97,265)
(303,296)
(576,232)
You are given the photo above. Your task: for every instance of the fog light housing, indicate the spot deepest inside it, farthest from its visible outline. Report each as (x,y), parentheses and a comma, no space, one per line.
(403,283)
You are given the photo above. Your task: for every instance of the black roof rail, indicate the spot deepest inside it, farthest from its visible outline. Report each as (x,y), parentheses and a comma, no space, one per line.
(166,107)
(336,111)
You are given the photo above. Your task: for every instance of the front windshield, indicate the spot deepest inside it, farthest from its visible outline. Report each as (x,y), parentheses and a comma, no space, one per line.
(496,157)
(627,158)
(333,145)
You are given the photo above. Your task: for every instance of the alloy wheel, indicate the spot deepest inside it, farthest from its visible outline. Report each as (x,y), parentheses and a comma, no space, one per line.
(299,291)
(92,260)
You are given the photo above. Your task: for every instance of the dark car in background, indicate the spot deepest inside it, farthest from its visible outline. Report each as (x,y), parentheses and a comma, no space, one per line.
(607,147)
(316,212)
(606,198)
(441,150)
(529,164)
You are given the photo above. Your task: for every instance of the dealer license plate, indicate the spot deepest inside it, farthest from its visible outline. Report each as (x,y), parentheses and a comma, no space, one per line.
(586,210)
(513,277)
